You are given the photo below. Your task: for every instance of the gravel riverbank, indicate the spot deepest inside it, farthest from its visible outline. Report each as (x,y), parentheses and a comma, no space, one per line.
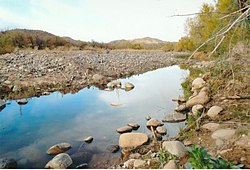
(30,73)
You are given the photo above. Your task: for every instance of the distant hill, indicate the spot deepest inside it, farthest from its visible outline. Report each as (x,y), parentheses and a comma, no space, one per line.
(146,42)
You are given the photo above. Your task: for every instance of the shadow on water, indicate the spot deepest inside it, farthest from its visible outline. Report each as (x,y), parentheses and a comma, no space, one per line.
(27,131)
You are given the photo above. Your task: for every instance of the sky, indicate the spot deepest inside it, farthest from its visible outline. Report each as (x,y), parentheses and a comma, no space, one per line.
(100,20)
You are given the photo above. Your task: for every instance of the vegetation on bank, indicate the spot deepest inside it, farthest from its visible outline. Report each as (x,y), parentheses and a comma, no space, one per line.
(218,21)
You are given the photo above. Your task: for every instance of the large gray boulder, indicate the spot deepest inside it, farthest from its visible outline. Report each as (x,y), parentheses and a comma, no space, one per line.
(201,98)
(58,148)
(175,147)
(132,139)
(60,161)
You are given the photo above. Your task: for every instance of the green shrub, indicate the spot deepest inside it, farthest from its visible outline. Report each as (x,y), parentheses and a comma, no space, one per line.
(200,159)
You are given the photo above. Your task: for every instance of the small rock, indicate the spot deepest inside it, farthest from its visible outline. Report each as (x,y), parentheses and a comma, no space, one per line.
(175,147)
(187,142)
(7,163)
(197,109)
(46,93)
(181,107)
(161,130)
(242,159)
(171,165)
(210,126)
(129,86)
(223,134)
(154,122)
(158,136)
(88,139)
(134,126)
(201,98)
(148,118)
(174,117)
(124,129)
(82,166)
(132,139)
(138,163)
(214,111)
(178,117)
(60,161)
(198,83)
(58,148)
(22,101)
(113,148)
(134,156)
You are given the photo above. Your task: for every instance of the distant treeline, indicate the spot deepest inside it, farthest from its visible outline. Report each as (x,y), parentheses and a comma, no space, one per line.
(11,40)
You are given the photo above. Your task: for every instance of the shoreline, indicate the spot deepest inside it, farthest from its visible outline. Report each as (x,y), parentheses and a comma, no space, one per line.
(31,73)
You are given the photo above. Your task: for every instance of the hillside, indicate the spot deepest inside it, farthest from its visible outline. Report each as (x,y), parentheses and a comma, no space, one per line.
(139,43)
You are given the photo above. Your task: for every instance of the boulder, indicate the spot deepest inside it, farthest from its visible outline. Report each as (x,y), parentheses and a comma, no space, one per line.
(124,129)
(202,98)
(181,107)
(129,86)
(214,111)
(58,148)
(198,83)
(174,117)
(113,148)
(154,122)
(114,84)
(197,109)
(170,165)
(22,101)
(134,126)
(210,126)
(243,142)
(88,139)
(161,130)
(132,139)
(223,134)
(7,163)
(175,147)
(60,161)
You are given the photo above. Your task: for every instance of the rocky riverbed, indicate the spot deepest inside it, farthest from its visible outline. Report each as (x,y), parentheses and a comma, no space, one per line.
(31,73)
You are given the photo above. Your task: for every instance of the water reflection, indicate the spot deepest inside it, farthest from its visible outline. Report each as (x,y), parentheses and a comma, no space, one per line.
(56,118)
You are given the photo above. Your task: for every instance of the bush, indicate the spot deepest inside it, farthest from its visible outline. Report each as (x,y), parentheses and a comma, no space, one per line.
(200,159)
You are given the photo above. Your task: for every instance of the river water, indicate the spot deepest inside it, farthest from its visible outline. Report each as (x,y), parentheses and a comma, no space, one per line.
(27,131)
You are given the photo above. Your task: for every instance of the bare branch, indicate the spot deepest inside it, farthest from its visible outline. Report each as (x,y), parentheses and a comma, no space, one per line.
(197,13)
(216,46)
(248,6)
(223,33)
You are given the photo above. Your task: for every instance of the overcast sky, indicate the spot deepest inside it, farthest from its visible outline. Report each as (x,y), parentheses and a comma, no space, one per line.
(100,20)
